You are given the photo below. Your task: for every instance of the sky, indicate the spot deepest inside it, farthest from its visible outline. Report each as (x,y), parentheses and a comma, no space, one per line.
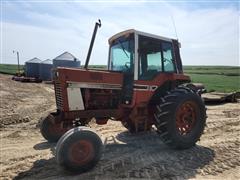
(208,31)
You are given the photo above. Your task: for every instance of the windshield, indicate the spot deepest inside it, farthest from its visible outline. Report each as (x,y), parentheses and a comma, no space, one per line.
(122,54)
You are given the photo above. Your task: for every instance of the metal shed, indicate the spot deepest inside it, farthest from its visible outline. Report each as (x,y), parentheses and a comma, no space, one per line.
(66,59)
(46,70)
(32,67)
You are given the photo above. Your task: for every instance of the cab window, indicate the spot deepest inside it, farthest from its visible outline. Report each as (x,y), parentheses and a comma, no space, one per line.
(150,59)
(155,56)
(122,54)
(168,61)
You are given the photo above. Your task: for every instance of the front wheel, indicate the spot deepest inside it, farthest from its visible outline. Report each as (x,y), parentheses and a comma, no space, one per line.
(50,129)
(79,149)
(180,118)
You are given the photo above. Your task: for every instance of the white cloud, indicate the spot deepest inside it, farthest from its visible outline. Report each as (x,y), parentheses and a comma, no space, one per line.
(208,36)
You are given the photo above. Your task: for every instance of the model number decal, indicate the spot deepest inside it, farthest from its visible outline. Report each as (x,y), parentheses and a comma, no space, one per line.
(140,87)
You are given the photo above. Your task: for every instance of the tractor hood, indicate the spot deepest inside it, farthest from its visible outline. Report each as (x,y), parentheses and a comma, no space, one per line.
(83,76)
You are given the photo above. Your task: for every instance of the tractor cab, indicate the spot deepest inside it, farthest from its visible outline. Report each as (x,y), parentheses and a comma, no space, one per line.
(143,58)
(144,55)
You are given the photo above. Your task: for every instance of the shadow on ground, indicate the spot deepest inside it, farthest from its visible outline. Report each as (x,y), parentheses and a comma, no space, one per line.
(130,156)
(44,145)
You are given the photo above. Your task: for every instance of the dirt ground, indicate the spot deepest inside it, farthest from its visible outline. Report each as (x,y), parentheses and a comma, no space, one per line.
(26,155)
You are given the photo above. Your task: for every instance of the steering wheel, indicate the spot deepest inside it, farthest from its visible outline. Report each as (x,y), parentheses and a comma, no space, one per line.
(167,60)
(127,66)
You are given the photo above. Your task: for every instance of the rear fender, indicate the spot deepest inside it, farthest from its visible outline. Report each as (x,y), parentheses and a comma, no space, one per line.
(196,87)
(163,89)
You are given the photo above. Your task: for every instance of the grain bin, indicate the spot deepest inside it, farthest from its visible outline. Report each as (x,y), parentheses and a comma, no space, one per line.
(32,67)
(66,60)
(46,70)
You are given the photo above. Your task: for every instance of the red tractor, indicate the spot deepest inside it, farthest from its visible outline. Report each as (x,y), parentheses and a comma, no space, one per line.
(143,87)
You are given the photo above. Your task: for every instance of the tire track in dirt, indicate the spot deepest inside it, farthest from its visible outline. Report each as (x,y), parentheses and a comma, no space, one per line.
(227,157)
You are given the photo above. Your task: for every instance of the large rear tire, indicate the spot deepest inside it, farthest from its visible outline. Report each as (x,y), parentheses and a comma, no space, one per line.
(79,150)
(51,130)
(180,118)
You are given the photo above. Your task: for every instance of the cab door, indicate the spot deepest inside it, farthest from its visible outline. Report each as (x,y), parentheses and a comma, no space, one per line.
(156,67)
(155,57)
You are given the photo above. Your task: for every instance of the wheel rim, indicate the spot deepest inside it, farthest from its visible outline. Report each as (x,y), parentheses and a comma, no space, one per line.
(186,117)
(56,128)
(81,152)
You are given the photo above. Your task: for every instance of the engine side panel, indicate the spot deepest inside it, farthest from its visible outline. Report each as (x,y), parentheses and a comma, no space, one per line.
(79,89)
(101,98)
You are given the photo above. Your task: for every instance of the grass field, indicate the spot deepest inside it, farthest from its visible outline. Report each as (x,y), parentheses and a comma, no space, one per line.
(215,78)
(10,68)
(213,70)
(218,83)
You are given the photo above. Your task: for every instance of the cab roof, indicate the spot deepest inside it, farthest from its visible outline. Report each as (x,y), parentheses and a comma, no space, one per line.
(130,31)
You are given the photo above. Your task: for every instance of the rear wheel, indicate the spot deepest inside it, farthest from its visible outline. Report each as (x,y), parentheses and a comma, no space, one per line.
(50,129)
(180,118)
(79,149)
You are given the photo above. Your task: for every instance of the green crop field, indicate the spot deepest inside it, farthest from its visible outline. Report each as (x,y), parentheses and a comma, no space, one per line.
(10,68)
(215,78)
(215,70)
(220,83)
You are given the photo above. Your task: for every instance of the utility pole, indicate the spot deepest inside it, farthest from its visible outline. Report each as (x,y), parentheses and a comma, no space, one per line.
(17,61)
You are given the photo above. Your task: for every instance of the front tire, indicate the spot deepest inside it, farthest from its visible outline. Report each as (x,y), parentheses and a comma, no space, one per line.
(50,129)
(180,118)
(79,150)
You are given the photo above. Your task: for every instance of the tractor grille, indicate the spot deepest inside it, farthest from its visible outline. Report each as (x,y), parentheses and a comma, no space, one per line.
(58,94)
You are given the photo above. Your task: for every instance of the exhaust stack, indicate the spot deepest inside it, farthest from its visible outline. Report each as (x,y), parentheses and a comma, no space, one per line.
(97,24)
